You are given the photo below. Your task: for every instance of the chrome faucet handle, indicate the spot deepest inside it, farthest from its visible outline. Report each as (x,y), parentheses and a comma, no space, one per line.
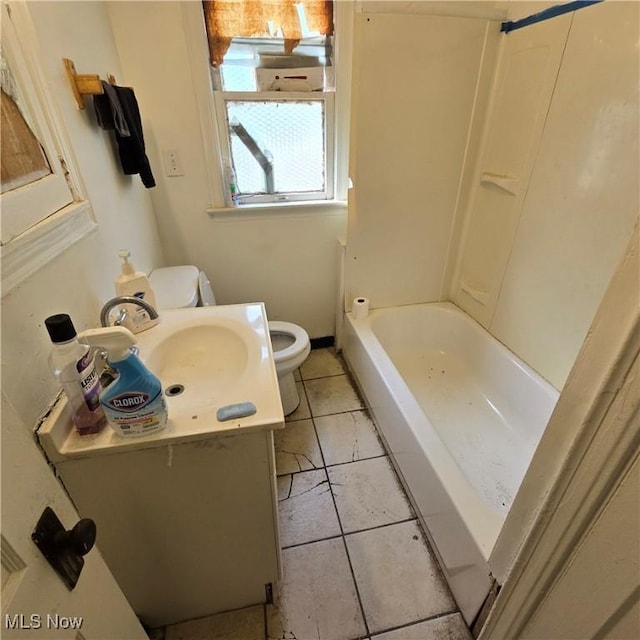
(122,316)
(114,302)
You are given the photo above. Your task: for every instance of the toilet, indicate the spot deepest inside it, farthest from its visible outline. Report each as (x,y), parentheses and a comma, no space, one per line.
(187,286)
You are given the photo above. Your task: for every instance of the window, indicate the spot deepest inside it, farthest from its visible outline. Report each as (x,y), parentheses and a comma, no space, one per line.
(43,212)
(34,177)
(272,74)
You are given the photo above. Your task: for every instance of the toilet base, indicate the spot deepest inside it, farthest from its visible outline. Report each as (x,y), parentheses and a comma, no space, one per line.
(288,393)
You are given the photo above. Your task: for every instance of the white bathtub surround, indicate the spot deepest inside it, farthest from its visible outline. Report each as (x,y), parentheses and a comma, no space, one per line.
(541,260)
(462,417)
(411,210)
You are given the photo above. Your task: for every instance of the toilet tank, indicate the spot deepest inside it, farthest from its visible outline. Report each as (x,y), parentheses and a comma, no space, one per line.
(176,287)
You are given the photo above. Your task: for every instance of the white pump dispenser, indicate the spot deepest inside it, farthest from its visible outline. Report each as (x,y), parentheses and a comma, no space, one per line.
(135,283)
(133,403)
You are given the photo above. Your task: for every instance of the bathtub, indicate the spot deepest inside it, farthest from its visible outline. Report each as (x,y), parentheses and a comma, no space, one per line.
(461,416)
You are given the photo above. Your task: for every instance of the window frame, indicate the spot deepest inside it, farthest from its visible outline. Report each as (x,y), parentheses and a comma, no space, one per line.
(221,97)
(25,253)
(198,52)
(26,206)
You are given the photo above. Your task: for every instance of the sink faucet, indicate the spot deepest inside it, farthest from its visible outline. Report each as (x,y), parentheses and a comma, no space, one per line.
(114,302)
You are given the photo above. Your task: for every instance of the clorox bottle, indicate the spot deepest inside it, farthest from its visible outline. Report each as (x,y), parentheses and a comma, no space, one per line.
(133,403)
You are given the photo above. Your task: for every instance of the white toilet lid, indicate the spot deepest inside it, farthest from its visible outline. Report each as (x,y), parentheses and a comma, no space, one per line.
(175,287)
(300,339)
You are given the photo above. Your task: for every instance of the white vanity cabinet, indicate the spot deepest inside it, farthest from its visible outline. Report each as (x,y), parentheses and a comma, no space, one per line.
(188,529)
(187,517)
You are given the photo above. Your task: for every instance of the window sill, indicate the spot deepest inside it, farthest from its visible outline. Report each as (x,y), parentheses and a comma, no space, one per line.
(264,210)
(36,247)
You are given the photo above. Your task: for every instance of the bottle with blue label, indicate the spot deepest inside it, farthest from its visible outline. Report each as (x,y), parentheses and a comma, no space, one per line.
(133,403)
(135,283)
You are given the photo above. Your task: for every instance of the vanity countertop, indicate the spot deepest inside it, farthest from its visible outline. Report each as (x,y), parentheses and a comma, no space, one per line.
(190,418)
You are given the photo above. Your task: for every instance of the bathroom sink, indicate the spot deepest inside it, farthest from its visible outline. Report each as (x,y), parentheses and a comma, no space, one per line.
(209,357)
(199,357)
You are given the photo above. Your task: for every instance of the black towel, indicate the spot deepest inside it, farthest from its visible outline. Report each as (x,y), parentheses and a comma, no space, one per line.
(109,111)
(117,110)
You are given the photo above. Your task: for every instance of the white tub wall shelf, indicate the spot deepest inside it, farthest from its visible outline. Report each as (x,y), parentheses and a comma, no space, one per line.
(510,184)
(477,294)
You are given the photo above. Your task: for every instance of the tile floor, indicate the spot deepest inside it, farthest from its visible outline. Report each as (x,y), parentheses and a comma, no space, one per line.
(355,562)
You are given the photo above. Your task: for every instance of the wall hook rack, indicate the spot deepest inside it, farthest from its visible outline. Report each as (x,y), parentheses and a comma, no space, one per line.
(84,84)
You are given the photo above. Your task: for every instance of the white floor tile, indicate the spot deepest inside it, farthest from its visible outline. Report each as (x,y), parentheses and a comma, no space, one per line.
(451,627)
(243,624)
(302,412)
(347,437)
(368,494)
(305,508)
(332,395)
(322,363)
(297,447)
(317,596)
(398,578)
(401,587)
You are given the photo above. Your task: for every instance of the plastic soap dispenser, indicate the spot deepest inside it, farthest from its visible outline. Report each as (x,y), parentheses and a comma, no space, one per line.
(133,403)
(135,283)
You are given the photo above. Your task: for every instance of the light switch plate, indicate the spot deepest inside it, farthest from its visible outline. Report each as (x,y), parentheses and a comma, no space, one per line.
(172,163)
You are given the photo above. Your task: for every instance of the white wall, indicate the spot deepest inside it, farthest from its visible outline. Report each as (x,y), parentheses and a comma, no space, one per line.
(80,279)
(545,269)
(288,260)
(416,81)
(122,206)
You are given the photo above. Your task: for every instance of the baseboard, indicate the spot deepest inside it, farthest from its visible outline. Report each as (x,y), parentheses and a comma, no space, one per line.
(322,343)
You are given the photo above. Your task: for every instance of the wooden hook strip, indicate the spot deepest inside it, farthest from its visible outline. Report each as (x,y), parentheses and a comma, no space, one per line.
(82,84)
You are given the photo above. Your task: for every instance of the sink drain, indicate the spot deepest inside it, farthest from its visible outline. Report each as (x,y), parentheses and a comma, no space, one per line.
(174,390)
